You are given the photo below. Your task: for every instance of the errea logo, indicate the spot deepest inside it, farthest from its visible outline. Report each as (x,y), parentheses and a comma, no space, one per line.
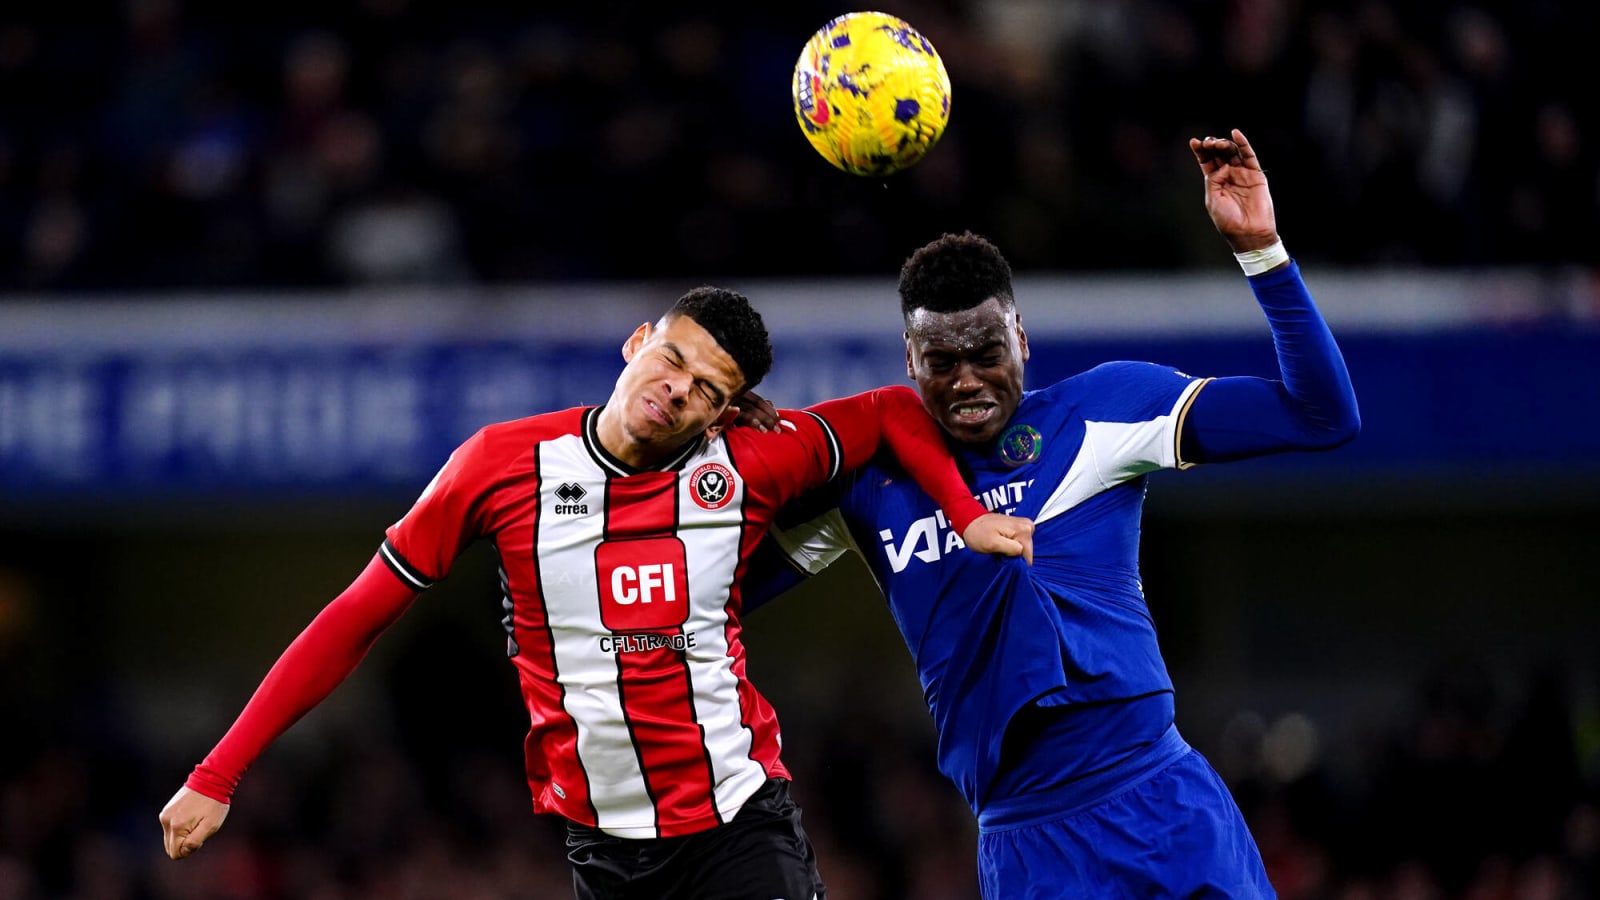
(569,493)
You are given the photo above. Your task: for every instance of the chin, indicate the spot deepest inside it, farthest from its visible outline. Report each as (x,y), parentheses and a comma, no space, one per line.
(971,434)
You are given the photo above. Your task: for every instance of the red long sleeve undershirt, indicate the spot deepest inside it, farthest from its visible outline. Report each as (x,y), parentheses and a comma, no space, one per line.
(897,419)
(324,655)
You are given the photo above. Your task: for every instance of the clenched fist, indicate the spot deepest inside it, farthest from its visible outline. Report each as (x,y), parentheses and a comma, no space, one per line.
(188,820)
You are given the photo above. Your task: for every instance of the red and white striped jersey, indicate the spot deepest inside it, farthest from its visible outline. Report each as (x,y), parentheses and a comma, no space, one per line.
(622,598)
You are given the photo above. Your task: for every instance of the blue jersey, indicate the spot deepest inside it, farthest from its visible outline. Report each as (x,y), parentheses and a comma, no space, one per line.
(992,637)
(1053,705)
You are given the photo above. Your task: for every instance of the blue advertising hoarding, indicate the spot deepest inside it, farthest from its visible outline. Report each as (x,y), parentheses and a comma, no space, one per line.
(276,401)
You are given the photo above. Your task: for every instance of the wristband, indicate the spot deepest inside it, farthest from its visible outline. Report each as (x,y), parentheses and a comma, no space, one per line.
(1254,262)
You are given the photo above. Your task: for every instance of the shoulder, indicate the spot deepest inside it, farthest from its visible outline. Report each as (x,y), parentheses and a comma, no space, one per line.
(795,426)
(1138,377)
(1124,371)
(499,442)
(542,427)
(1119,389)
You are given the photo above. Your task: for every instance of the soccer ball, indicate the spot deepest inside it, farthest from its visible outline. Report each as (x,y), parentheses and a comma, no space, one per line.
(871,94)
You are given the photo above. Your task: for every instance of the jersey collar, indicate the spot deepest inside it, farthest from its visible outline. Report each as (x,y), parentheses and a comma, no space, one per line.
(618,468)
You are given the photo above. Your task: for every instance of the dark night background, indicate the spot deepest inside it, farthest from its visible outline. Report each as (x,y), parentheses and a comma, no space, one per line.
(264,265)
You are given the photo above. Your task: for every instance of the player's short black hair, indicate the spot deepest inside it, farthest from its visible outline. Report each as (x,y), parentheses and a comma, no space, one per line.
(953,273)
(735,325)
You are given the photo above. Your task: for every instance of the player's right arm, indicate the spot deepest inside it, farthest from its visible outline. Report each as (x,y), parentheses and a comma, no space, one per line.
(418,550)
(315,663)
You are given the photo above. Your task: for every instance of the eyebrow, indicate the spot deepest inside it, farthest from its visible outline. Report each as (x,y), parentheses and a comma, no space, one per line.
(953,350)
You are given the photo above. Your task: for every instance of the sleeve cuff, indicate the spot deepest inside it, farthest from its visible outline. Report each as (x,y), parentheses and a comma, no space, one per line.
(204,781)
(966,512)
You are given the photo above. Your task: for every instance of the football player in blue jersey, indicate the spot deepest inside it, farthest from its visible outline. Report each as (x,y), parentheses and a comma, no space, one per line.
(1053,706)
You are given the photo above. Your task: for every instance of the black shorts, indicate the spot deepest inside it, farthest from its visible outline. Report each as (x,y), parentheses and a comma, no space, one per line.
(763,854)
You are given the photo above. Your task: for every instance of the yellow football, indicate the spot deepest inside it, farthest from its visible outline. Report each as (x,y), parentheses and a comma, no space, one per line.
(871,93)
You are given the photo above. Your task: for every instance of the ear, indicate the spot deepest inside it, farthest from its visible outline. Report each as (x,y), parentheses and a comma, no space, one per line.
(1022,338)
(631,346)
(722,421)
(911,372)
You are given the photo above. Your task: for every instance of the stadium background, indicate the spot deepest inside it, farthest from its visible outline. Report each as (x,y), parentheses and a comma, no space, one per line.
(263,267)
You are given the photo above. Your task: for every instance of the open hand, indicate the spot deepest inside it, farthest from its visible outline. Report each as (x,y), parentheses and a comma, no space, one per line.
(755,411)
(188,820)
(1001,534)
(1236,191)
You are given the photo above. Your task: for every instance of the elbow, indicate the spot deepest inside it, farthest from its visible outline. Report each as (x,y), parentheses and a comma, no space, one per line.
(1341,430)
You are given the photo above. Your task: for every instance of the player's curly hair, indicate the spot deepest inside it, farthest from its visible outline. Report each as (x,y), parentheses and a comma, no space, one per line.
(953,273)
(735,325)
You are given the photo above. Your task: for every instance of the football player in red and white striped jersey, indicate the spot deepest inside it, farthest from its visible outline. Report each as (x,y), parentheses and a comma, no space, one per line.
(623,531)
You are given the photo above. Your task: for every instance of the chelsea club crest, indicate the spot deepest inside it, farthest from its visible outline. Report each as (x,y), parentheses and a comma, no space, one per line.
(1020,445)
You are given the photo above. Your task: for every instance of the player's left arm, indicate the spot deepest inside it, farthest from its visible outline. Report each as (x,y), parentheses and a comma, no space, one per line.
(808,535)
(771,572)
(849,431)
(1312,404)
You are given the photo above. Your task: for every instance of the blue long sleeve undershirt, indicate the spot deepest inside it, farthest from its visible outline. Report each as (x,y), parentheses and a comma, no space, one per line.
(1312,406)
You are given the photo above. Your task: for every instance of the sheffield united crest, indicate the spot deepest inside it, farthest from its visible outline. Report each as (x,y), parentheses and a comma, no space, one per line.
(711,486)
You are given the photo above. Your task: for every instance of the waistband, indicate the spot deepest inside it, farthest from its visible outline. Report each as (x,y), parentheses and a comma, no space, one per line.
(1043,806)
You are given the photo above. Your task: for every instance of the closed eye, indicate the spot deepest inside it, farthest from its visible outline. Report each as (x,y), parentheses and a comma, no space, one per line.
(706,388)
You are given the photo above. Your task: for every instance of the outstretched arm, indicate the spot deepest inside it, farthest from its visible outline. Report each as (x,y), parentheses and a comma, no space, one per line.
(312,666)
(1312,406)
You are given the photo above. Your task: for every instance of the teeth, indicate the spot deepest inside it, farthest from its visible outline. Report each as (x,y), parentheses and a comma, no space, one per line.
(969,409)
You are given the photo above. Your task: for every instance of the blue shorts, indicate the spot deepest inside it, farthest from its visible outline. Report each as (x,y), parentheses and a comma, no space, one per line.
(1174,833)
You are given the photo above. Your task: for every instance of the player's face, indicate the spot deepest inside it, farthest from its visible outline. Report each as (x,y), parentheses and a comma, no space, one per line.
(968,367)
(678,384)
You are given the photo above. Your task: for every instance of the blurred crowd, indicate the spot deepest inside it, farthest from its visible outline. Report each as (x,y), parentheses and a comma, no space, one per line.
(1476,779)
(1476,792)
(158,145)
